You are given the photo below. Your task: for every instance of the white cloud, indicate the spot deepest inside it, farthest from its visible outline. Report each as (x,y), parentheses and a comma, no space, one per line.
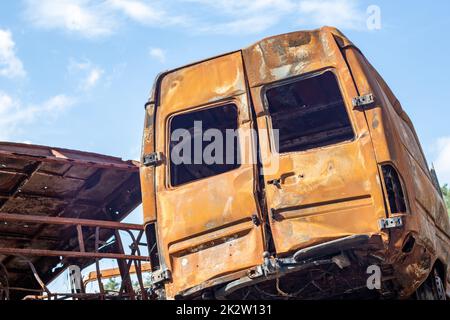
(86,17)
(147,12)
(55,105)
(94,18)
(93,77)
(250,16)
(245,7)
(442,162)
(6,103)
(139,11)
(244,16)
(15,116)
(345,14)
(251,25)
(89,74)
(10,64)
(158,53)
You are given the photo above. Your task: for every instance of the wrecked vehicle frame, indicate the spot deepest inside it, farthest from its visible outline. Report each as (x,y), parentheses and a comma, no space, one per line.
(350,168)
(61,208)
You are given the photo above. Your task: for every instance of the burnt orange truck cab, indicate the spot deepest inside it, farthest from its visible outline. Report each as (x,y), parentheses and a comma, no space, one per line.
(314,177)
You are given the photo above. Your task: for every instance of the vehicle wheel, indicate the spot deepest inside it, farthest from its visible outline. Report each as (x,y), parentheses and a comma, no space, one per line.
(432,288)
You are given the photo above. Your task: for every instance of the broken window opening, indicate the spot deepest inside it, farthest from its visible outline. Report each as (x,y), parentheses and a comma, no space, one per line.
(309,113)
(394,190)
(214,157)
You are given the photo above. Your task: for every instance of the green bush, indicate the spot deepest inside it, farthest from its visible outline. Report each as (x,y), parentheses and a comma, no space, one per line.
(446,193)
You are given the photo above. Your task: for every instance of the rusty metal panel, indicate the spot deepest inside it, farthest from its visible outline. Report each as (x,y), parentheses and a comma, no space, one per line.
(395,142)
(283,56)
(203,83)
(329,192)
(198,222)
(52,182)
(147,174)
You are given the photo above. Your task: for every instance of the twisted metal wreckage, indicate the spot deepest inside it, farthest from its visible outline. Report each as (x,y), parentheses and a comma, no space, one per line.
(62,207)
(351,189)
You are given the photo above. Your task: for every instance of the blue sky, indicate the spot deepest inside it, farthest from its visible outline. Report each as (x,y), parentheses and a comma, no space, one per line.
(76,73)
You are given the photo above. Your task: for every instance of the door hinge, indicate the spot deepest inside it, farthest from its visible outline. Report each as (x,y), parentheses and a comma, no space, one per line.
(153,159)
(160,276)
(390,223)
(363,101)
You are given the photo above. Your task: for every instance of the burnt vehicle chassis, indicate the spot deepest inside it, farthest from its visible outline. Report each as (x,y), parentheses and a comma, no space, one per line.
(334,270)
(371,180)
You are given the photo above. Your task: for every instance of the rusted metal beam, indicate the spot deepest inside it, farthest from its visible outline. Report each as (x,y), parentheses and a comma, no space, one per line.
(25,289)
(37,277)
(24,162)
(138,264)
(32,169)
(9,217)
(68,254)
(21,237)
(72,202)
(80,238)
(97,263)
(114,272)
(21,172)
(80,296)
(132,166)
(27,195)
(126,284)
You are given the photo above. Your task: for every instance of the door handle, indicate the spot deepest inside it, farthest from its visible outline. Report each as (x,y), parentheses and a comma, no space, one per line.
(275,182)
(282,180)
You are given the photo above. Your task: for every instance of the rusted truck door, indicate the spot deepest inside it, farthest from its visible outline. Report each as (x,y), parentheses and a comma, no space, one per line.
(206,212)
(321,177)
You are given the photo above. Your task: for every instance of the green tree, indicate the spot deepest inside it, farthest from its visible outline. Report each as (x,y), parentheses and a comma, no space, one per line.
(446,193)
(148,281)
(112,285)
(136,286)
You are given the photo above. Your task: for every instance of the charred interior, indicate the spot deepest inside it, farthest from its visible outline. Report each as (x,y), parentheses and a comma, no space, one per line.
(394,189)
(207,128)
(317,283)
(308,113)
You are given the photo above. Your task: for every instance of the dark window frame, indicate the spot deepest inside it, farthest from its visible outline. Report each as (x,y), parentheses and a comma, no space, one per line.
(298,78)
(168,179)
